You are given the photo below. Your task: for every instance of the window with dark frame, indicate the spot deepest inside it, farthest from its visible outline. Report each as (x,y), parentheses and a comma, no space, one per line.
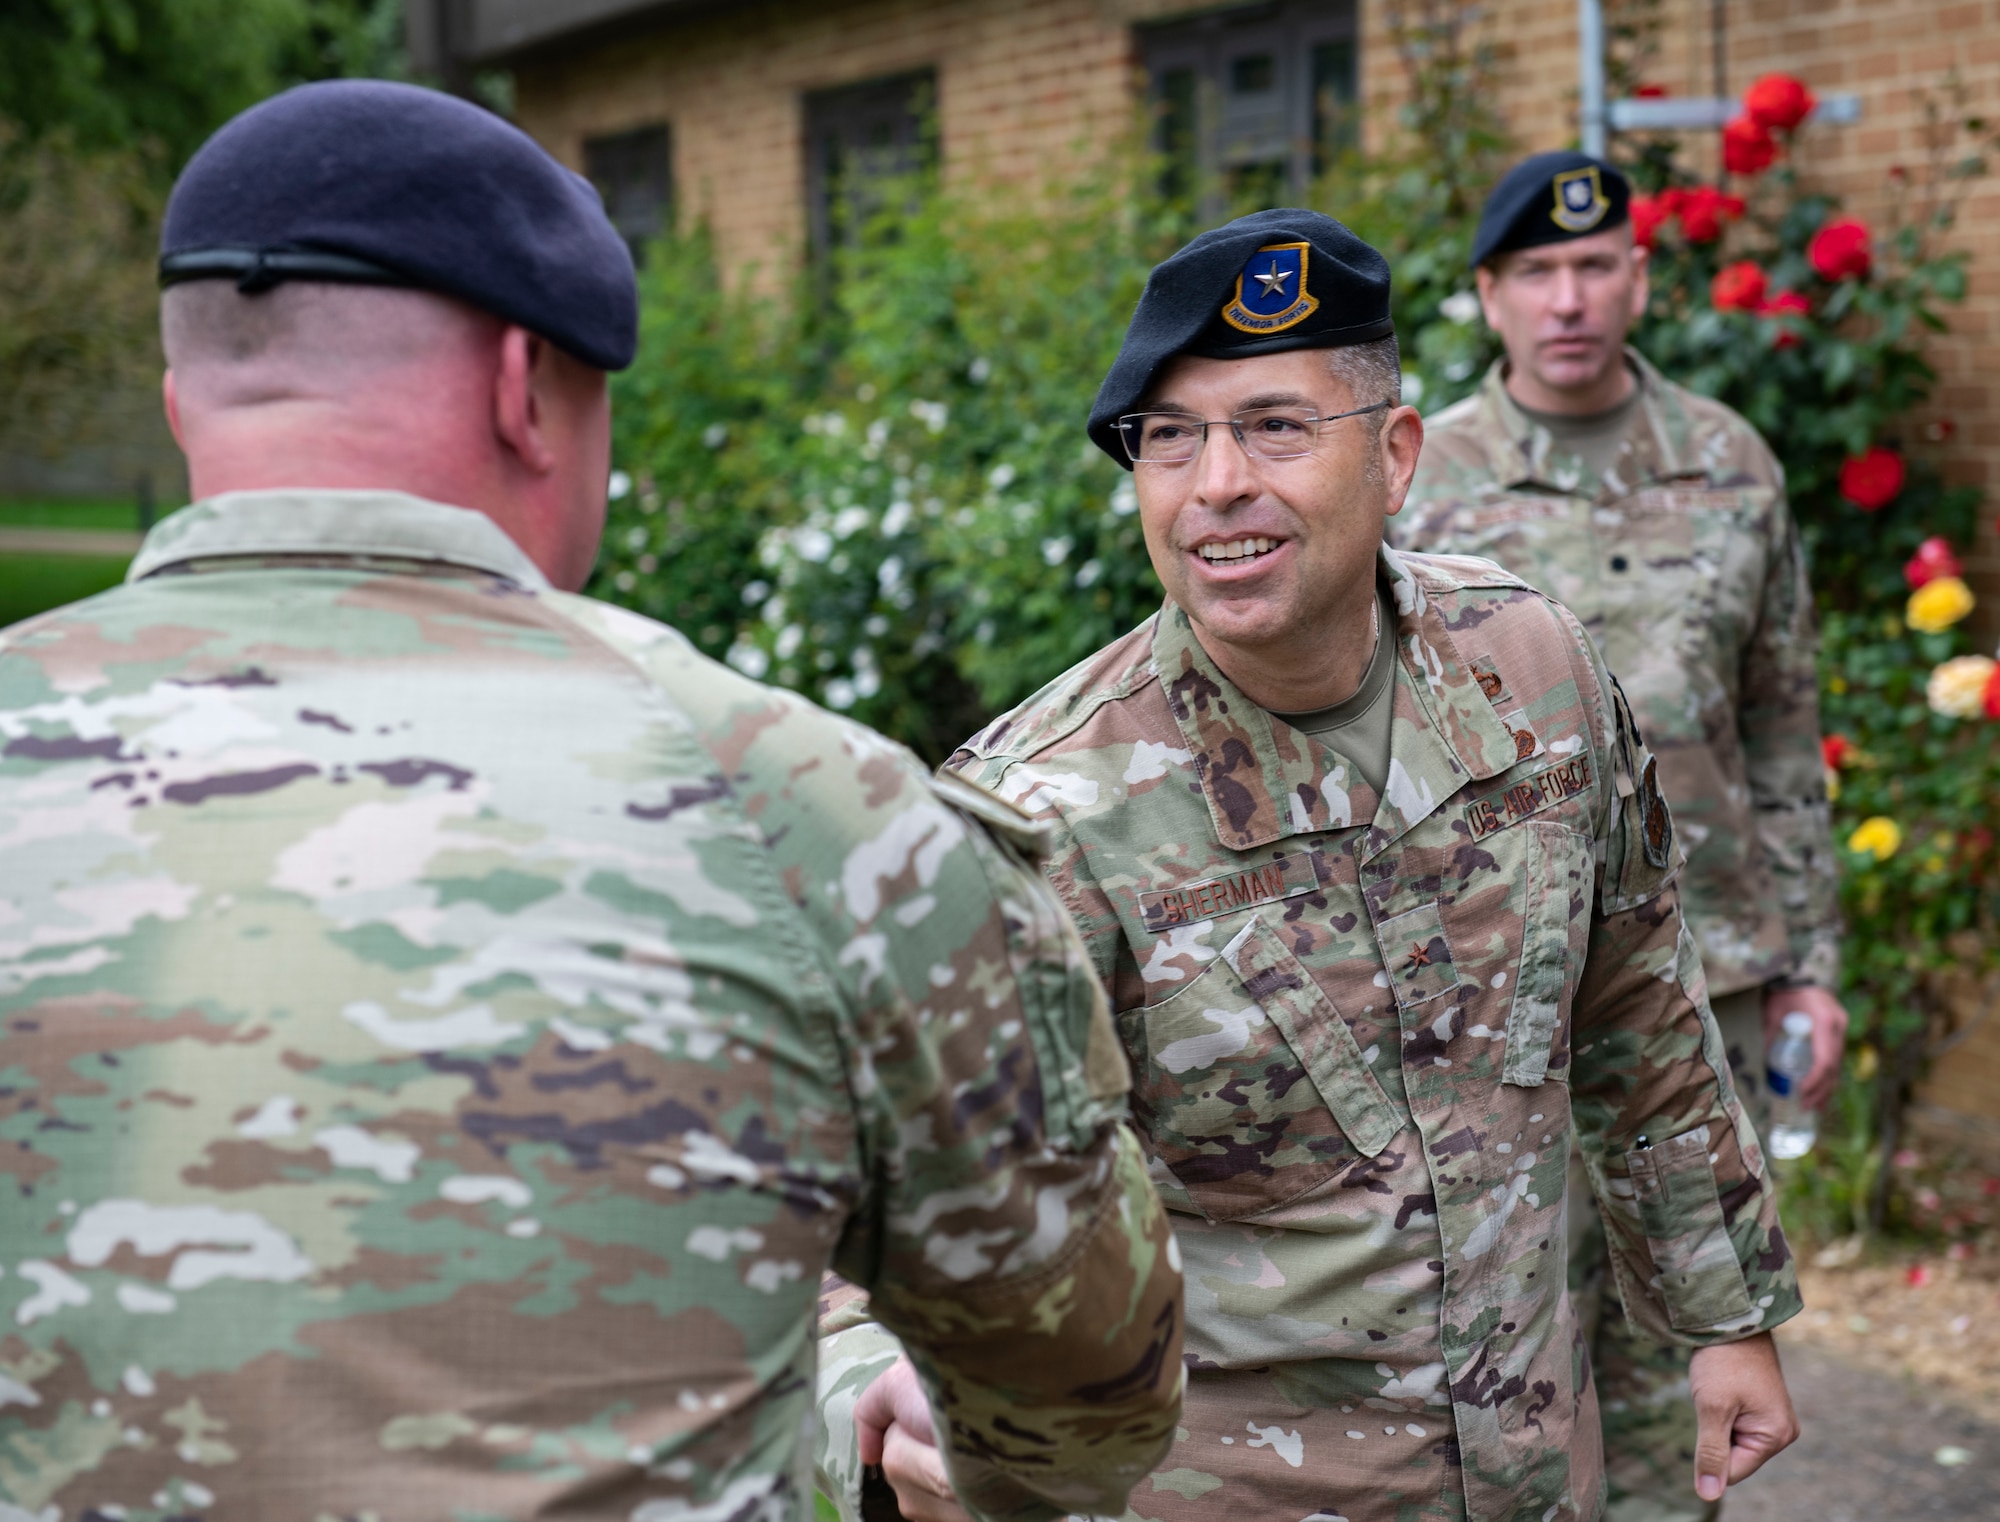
(857,138)
(1251,103)
(634,173)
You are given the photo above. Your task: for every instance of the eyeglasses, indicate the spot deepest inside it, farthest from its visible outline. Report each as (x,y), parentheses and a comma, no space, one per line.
(1267,433)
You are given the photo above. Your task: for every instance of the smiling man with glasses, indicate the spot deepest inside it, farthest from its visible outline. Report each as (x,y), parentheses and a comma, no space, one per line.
(1372,860)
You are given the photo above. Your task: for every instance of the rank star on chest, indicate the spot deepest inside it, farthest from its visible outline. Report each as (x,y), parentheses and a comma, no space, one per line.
(1420,956)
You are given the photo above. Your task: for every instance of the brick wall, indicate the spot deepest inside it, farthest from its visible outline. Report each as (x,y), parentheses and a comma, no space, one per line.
(1023,85)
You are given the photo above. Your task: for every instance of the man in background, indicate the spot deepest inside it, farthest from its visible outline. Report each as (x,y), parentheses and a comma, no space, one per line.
(1659,518)
(449,1024)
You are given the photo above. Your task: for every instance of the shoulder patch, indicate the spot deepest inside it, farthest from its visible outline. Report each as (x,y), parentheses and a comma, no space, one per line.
(1659,820)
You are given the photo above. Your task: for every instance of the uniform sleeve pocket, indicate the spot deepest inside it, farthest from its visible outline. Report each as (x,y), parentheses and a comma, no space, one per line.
(1699,1275)
(1558,861)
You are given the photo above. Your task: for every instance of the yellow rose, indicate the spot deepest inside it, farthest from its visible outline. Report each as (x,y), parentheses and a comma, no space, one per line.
(1957,687)
(1937,605)
(1879,835)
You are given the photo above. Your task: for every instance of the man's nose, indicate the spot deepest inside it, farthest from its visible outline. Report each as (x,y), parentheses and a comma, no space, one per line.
(1568,291)
(1226,471)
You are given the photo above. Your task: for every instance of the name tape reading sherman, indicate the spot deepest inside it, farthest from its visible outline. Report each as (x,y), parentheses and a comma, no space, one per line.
(1281,877)
(1510,805)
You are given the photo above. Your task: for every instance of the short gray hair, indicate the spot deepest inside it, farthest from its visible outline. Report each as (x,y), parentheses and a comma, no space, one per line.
(1372,372)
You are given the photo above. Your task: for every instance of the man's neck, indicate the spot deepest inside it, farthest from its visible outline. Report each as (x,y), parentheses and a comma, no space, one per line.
(1314,671)
(1601,394)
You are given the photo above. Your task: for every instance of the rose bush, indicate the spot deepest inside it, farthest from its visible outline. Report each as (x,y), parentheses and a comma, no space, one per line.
(1829,366)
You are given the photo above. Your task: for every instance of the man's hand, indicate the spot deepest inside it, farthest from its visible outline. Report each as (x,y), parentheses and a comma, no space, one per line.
(893,1422)
(1829,1037)
(1743,1410)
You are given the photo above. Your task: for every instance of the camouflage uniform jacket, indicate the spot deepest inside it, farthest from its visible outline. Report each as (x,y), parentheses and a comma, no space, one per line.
(1362,1029)
(449,1027)
(1685,566)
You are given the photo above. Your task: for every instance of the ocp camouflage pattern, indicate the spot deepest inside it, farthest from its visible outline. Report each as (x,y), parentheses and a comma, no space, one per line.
(449,1028)
(1360,1096)
(1684,565)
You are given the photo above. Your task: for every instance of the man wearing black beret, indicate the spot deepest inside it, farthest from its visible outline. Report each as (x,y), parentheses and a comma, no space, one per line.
(1659,518)
(1371,857)
(449,1025)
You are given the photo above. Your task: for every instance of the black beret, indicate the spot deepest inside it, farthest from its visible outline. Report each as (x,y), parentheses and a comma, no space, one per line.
(1265,283)
(1551,198)
(367,182)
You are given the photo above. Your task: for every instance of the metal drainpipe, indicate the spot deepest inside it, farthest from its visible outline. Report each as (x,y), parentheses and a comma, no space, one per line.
(1590,71)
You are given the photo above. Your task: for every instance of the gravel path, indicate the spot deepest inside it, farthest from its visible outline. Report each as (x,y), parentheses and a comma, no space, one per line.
(1869,1450)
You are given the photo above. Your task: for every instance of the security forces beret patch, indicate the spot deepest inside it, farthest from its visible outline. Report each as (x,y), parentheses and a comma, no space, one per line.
(1265,283)
(1551,198)
(368,182)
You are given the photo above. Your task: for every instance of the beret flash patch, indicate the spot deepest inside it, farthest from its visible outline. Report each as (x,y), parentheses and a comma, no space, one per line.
(1659,823)
(1580,200)
(1271,293)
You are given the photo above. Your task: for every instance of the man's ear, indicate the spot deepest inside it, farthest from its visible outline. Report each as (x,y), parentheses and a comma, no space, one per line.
(1484,279)
(1402,442)
(517,410)
(172,403)
(1642,285)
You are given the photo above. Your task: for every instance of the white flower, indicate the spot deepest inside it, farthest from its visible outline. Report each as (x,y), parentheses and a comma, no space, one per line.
(1957,687)
(1460,307)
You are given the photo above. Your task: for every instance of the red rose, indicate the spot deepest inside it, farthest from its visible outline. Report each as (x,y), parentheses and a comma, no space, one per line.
(1649,92)
(1738,287)
(1779,102)
(1833,750)
(1704,209)
(1672,199)
(1839,250)
(1870,481)
(1932,560)
(1990,700)
(1648,217)
(1785,304)
(1748,147)
(1703,213)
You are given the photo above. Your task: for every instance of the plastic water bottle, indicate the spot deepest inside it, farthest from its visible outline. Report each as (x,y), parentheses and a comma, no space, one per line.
(1793,1127)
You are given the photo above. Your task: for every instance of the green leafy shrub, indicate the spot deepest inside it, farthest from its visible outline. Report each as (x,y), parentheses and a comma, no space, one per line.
(878,491)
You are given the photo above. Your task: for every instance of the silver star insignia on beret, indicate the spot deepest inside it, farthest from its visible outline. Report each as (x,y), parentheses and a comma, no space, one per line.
(1273,281)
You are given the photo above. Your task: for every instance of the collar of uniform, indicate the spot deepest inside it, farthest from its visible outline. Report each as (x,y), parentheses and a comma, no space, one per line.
(1260,776)
(385,525)
(1651,455)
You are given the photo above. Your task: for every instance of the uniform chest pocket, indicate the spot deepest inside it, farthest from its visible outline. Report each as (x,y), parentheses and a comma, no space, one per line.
(1557,868)
(1675,548)
(1249,1082)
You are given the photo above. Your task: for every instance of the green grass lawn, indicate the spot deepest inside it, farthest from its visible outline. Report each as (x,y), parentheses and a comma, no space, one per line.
(51,512)
(31,584)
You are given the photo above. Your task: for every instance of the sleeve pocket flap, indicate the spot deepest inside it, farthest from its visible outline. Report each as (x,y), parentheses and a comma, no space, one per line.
(1699,1274)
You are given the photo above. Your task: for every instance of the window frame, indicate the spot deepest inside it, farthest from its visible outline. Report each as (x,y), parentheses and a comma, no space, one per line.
(833,116)
(1210,133)
(653,143)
